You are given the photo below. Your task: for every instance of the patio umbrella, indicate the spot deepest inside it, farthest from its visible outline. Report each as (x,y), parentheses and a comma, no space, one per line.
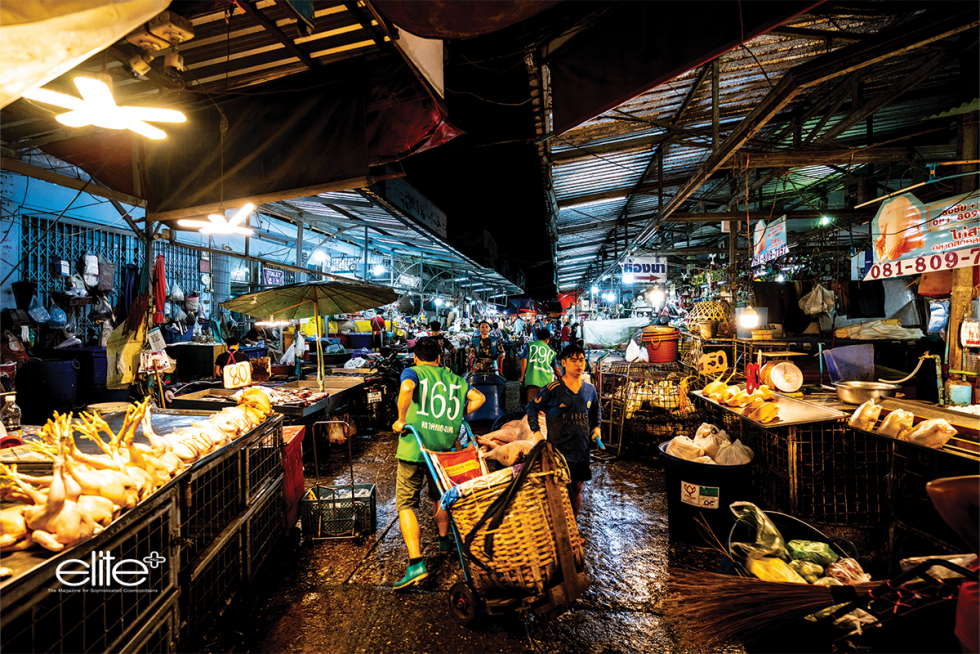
(311,300)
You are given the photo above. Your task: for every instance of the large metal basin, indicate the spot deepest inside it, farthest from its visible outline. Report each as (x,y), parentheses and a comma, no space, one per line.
(859,392)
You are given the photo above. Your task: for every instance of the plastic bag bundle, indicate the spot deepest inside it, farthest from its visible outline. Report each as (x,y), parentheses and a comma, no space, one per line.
(767,541)
(632,351)
(37,312)
(683,447)
(710,444)
(710,430)
(76,286)
(705,459)
(813,551)
(57,318)
(90,269)
(848,572)
(807,569)
(938,316)
(733,454)
(176,295)
(769,569)
(931,433)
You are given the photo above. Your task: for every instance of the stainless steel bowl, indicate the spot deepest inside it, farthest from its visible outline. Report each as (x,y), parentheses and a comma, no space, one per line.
(859,392)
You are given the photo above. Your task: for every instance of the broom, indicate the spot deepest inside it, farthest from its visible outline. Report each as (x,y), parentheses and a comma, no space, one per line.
(715,607)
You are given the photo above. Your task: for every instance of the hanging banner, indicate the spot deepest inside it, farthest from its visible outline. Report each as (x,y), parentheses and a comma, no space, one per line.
(645,269)
(911,237)
(769,241)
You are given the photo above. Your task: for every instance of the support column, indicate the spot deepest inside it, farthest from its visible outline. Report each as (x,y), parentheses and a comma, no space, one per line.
(300,277)
(365,253)
(715,109)
(962,296)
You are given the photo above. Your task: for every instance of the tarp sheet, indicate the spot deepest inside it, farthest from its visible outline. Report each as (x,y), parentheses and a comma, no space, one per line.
(607,334)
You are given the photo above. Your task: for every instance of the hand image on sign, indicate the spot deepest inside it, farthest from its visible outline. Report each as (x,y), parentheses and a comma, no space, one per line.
(236,375)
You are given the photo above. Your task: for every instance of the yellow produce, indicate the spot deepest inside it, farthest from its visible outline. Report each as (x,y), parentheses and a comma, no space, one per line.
(765,413)
(769,569)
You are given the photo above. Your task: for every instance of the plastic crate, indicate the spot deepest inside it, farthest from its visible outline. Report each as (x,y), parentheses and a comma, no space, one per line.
(39,616)
(263,526)
(333,515)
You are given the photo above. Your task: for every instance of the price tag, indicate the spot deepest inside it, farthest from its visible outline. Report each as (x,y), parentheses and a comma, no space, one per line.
(237,375)
(927,263)
(374,397)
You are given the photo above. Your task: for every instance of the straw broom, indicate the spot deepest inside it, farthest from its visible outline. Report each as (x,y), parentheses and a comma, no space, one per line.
(716,607)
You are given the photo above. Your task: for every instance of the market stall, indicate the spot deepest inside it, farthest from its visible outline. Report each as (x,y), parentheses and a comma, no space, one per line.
(194,522)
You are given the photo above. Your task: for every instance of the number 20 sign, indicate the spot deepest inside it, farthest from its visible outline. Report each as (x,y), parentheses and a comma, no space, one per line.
(926,263)
(237,375)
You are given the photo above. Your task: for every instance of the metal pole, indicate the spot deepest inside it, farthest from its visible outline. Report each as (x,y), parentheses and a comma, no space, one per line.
(365,252)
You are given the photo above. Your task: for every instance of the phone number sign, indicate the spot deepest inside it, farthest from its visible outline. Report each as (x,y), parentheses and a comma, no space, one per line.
(925,263)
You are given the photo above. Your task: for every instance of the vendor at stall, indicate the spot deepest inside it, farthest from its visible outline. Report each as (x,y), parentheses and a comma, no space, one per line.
(254,335)
(572,414)
(485,351)
(377,330)
(429,400)
(229,357)
(299,352)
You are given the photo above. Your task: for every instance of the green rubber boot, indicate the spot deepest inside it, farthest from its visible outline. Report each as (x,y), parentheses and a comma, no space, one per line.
(413,575)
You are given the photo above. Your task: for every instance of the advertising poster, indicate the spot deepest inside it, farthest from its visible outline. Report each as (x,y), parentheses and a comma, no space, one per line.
(769,241)
(910,237)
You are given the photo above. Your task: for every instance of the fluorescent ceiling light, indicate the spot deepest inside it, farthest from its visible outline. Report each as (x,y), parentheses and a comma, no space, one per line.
(98,107)
(217,224)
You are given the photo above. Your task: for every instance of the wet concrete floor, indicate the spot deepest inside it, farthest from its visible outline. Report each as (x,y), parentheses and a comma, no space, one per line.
(337,596)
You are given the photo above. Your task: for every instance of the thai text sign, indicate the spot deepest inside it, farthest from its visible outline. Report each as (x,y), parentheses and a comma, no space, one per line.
(769,241)
(273,277)
(646,270)
(912,237)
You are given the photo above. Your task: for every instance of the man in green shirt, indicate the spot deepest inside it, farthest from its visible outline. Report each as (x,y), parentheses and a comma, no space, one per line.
(538,367)
(433,400)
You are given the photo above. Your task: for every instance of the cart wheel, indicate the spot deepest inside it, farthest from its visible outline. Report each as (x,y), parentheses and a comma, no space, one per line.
(466,606)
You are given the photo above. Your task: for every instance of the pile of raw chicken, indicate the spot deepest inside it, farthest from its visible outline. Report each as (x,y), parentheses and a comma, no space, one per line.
(756,403)
(512,441)
(86,492)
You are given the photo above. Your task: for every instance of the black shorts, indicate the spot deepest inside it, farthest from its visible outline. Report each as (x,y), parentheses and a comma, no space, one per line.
(580,470)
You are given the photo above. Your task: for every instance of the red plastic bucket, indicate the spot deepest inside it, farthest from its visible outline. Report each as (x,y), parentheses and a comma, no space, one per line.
(661,344)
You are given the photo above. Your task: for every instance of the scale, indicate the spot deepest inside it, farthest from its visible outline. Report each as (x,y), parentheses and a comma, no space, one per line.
(781,374)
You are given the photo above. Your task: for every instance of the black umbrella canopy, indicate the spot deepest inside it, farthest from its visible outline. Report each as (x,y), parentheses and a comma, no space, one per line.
(309,299)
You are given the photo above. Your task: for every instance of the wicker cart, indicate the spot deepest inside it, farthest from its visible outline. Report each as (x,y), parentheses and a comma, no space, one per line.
(518,543)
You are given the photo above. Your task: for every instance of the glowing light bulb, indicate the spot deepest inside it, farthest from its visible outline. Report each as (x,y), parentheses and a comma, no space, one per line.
(378,269)
(749,318)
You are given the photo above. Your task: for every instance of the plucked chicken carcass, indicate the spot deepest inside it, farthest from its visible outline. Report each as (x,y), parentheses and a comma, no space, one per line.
(866,416)
(897,423)
(14,534)
(509,453)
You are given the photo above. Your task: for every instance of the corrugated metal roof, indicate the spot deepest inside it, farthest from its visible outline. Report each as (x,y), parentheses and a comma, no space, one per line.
(598,165)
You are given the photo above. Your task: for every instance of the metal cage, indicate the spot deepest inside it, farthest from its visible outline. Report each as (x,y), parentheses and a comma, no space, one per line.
(644,401)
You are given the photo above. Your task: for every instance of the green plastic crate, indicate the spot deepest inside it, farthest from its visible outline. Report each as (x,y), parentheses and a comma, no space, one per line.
(335,514)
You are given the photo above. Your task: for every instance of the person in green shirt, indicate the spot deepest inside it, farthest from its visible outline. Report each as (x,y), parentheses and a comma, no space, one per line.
(538,365)
(433,400)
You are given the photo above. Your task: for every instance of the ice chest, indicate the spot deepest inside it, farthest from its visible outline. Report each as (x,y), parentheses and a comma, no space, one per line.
(336,514)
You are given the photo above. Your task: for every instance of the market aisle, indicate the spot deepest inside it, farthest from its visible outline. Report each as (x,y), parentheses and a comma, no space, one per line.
(335,596)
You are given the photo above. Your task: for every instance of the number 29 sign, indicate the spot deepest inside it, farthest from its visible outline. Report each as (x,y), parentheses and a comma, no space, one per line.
(925,263)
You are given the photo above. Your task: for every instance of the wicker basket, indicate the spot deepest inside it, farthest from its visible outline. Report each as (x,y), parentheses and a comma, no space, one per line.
(524,548)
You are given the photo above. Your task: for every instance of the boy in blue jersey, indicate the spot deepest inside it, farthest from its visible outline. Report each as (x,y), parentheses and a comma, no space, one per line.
(571,409)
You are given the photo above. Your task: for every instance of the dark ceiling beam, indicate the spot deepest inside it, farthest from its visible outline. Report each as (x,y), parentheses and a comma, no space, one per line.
(818,35)
(274,30)
(718,216)
(27,170)
(792,158)
(577,152)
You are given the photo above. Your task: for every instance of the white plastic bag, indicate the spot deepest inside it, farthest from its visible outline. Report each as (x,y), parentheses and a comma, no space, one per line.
(684,448)
(733,454)
(176,295)
(819,300)
(632,351)
(57,318)
(76,286)
(710,443)
(90,269)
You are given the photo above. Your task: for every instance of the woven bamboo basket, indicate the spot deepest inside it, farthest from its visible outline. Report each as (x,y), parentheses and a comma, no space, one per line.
(524,549)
